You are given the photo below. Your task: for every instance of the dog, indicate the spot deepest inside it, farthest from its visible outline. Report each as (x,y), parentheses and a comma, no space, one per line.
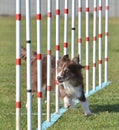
(71,84)
(44,71)
(69,78)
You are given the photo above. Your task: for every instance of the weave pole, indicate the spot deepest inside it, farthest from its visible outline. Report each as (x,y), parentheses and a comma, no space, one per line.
(80,29)
(18,65)
(73,29)
(57,50)
(94,42)
(100,42)
(87,46)
(66,11)
(39,64)
(28,60)
(106,39)
(49,18)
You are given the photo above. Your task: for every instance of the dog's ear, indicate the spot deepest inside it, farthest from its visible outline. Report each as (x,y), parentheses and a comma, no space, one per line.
(23,53)
(75,60)
(34,53)
(65,57)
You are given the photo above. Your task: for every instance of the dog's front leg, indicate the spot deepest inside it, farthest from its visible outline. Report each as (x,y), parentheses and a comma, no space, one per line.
(86,109)
(64,96)
(85,104)
(67,102)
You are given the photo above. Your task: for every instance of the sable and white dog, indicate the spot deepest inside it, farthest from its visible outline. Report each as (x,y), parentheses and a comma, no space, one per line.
(71,84)
(69,77)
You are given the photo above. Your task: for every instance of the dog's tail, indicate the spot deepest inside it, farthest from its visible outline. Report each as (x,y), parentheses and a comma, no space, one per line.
(24,56)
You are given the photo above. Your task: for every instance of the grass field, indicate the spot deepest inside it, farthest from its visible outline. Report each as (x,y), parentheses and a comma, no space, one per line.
(104,104)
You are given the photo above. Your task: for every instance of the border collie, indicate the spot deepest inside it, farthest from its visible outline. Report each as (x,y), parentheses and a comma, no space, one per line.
(70,78)
(71,84)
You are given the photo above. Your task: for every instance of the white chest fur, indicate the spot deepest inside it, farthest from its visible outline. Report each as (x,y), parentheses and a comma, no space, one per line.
(74,92)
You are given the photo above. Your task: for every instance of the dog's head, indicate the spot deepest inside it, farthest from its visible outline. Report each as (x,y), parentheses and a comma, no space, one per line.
(68,69)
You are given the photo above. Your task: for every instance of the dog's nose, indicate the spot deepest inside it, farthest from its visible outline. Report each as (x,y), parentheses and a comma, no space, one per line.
(59,78)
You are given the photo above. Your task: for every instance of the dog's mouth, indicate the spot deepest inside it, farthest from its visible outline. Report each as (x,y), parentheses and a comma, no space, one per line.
(60,79)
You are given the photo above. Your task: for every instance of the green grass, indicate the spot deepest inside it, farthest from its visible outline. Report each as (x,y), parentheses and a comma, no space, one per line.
(103,104)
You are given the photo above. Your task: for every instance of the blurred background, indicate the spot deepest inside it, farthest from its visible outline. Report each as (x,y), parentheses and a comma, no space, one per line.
(7,7)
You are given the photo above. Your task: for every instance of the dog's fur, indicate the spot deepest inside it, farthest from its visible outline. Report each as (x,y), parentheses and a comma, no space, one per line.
(71,82)
(44,71)
(69,78)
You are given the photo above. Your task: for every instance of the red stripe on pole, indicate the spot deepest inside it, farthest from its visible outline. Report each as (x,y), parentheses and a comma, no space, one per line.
(18,104)
(49,14)
(48,88)
(39,94)
(99,35)
(106,59)
(18,16)
(106,34)
(87,10)
(94,38)
(107,7)
(80,9)
(87,39)
(39,56)
(38,16)
(57,12)
(79,40)
(57,47)
(48,52)
(100,8)
(66,11)
(18,61)
(94,64)
(95,9)
(87,67)
(99,61)
(65,44)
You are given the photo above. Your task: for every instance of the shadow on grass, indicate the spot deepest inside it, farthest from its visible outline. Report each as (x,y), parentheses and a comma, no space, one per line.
(104,108)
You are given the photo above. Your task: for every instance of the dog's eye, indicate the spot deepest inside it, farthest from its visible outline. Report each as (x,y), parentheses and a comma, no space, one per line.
(66,71)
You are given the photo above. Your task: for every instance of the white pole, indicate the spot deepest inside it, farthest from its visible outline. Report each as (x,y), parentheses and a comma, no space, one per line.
(80,29)
(39,64)
(73,28)
(100,42)
(66,27)
(57,49)
(49,15)
(28,49)
(94,42)
(106,39)
(18,65)
(87,46)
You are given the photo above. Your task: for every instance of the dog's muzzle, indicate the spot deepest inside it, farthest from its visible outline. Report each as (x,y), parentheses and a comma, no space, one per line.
(60,79)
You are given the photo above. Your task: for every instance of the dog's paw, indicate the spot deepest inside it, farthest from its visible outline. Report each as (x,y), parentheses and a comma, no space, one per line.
(67,102)
(67,105)
(88,113)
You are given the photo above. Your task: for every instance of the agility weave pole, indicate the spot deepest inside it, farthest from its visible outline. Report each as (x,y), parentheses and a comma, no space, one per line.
(28,67)
(18,65)
(57,51)
(39,63)
(52,118)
